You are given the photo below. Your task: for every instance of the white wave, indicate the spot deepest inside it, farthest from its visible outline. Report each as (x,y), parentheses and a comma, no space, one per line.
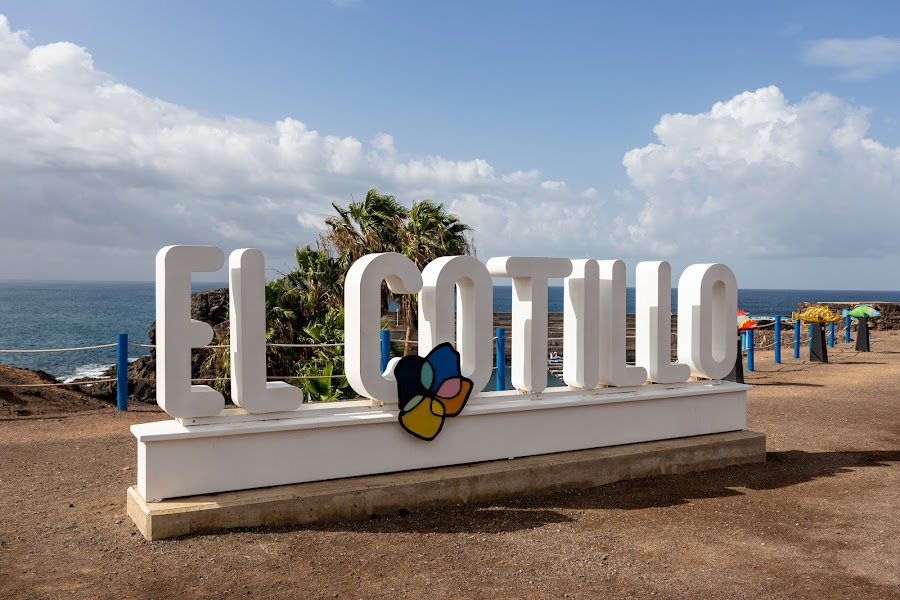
(91,371)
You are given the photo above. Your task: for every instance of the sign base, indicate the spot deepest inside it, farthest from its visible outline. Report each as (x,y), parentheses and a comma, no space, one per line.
(327,441)
(360,497)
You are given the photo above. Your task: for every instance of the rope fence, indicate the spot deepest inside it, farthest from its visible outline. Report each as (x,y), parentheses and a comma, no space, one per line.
(100,347)
(792,334)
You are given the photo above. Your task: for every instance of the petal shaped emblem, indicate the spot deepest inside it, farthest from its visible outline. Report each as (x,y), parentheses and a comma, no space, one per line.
(430,389)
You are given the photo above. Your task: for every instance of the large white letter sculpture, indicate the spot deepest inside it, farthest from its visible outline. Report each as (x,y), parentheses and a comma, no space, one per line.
(246,295)
(529,314)
(613,369)
(177,333)
(475,302)
(362,319)
(581,325)
(707,304)
(653,323)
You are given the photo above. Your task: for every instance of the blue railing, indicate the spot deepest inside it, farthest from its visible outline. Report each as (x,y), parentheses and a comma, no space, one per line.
(748,346)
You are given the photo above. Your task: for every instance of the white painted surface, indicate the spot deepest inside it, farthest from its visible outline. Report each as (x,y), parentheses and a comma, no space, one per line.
(707,309)
(273,441)
(247,305)
(614,370)
(177,333)
(530,279)
(465,279)
(175,460)
(362,319)
(581,325)
(653,323)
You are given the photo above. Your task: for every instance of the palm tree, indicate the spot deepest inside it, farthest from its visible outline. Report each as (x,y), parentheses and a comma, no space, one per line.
(318,278)
(374,225)
(430,232)
(306,306)
(381,224)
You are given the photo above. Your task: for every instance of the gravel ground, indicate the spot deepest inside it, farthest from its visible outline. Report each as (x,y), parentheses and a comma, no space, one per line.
(821,519)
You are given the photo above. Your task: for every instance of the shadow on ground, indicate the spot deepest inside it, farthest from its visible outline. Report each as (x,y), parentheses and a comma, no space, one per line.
(782,469)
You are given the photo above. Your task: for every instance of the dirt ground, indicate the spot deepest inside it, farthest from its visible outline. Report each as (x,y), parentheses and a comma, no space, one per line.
(821,519)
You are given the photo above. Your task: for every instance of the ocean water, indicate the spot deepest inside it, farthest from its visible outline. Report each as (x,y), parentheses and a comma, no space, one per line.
(39,315)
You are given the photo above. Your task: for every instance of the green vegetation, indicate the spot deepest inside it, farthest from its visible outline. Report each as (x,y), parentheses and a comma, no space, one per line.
(305,305)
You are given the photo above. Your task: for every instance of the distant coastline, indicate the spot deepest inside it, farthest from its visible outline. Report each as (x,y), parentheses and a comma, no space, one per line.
(48,314)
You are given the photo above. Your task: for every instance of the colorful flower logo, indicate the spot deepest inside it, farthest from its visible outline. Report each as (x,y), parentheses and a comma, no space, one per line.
(430,389)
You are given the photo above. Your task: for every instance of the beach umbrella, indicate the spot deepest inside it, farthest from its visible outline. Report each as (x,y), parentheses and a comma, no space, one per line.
(744,322)
(863,311)
(816,314)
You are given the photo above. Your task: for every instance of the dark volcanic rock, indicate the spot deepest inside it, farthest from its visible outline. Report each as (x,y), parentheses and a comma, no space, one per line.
(210,307)
(44,399)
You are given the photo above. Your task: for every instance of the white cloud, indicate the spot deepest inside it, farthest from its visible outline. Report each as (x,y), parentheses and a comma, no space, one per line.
(97,177)
(760,177)
(384,143)
(863,58)
(555,186)
(522,177)
(106,176)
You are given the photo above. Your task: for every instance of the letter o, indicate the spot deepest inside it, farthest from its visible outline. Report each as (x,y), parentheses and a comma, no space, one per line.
(707,329)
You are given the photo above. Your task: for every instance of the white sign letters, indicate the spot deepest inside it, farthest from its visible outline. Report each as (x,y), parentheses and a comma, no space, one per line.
(272,437)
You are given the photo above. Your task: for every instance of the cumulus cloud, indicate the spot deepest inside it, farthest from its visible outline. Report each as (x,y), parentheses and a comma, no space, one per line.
(555,186)
(105,175)
(97,177)
(758,176)
(864,58)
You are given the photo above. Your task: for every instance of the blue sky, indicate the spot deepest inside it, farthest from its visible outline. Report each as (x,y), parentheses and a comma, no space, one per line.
(193,123)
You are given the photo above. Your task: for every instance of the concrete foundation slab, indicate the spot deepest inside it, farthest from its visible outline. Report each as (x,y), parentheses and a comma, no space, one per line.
(359,497)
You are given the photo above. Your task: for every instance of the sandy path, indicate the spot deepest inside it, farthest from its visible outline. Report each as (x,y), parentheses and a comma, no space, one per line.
(820,520)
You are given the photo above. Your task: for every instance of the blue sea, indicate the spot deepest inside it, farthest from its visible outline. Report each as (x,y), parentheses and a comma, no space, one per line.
(37,315)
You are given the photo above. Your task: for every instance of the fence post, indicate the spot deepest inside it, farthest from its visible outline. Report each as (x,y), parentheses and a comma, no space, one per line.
(385,348)
(831,335)
(847,328)
(122,372)
(500,348)
(777,340)
(797,338)
(750,341)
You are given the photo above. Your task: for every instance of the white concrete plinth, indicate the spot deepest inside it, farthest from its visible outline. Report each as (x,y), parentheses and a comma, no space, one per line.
(334,441)
(360,497)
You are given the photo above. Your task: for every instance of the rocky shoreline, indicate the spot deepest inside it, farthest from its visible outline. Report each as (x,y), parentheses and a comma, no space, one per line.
(26,393)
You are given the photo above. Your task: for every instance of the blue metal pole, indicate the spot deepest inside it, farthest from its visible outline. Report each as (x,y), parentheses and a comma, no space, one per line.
(777,340)
(385,348)
(797,338)
(500,361)
(810,334)
(847,328)
(122,372)
(750,341)
(831,335)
